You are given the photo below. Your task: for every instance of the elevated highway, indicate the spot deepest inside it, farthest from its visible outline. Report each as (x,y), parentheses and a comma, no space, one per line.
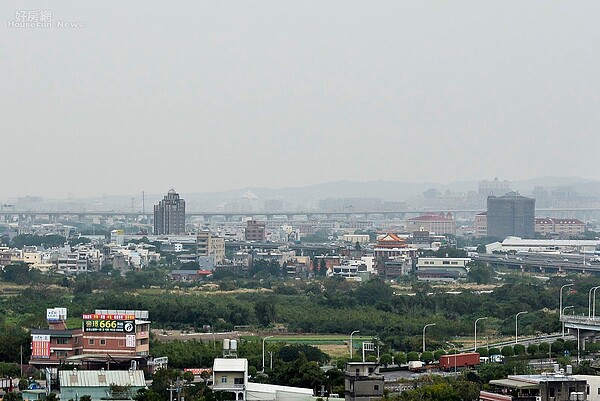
(9,213)
(542,262)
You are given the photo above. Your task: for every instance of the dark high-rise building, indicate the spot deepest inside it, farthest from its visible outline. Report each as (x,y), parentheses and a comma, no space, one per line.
(169,215)
(510,215)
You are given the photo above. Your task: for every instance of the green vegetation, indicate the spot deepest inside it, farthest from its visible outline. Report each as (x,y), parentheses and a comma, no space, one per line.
(263,299)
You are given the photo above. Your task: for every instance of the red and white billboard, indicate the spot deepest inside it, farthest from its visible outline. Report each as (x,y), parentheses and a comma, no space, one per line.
(40,346)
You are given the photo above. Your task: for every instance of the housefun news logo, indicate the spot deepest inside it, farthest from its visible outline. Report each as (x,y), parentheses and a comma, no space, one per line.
(40,19)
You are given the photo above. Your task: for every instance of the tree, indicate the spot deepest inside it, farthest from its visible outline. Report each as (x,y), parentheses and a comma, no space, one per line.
(400,358)
(18,273)
(412,356)
(480,273)
(147,395)
(495,351)
(532,349)
(9,369)
(585,368)
(438,353)
(483,351)
(335,381)
(427,357)
(519,349)
(385,359)
(290,353)
(13,396)
(265,312)
(507,351)
(544,348)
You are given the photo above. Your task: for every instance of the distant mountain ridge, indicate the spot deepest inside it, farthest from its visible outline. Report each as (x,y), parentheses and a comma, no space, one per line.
(385,190)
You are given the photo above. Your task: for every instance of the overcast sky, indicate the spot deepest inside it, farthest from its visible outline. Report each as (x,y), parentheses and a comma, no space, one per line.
(207,96)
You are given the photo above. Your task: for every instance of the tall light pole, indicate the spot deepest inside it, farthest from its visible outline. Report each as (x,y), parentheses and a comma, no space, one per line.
(594,303)
(563,323)
(593,289)
(263,351)
(517,326)
(561,298)
(351,334)
(476,320)
(424,327)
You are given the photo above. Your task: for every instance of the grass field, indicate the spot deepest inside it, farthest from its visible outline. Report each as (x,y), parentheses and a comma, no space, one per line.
(334,345)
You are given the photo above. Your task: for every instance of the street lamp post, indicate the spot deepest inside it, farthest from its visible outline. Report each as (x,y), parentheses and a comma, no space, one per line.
(561,297)
(426,326)
(593,289)
(476,320)
(563,323)
(594,303)
(517,326)
(351,334)
(263,352)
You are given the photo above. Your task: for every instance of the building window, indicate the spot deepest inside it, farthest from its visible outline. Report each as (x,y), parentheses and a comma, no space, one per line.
(76,340)
(62,340)
(376,387)
(223,379)
(91,341)
(238,380)
(103,342)
(61,354)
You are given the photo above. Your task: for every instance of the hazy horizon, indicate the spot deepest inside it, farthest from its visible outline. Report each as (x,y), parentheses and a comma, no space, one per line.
(213,96)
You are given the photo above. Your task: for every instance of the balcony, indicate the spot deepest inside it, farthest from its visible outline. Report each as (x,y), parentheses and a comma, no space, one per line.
(228,386)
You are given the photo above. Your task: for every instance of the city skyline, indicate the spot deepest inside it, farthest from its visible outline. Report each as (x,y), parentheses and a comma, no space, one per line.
(210,96)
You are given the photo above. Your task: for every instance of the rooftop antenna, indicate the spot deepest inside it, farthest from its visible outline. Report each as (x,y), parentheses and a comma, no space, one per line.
(143,202)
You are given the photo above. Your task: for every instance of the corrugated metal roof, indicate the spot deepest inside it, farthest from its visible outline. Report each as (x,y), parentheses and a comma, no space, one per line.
(101,378)
(511,383)
(230,365)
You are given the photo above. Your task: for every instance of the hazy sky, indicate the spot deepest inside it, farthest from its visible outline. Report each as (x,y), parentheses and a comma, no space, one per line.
(206,96)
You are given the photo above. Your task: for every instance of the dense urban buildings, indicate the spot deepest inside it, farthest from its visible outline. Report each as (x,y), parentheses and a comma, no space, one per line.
(510,215)
(255,230)
(125,335)
(438,223)
(208,244)
(169,215)
(559,227)
(495,187)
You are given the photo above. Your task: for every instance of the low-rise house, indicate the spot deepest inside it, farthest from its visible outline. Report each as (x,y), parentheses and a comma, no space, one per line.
(441,269)
(231,375)
(100,384)
(545,387)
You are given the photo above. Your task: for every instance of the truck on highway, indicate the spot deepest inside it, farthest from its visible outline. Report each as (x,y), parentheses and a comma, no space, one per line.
(464,360)
(416,366)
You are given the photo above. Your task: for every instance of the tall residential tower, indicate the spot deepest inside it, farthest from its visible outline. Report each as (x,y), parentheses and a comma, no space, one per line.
(510,215)
(169,215)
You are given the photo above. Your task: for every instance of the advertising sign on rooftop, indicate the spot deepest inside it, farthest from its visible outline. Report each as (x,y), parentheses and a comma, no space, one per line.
(56,314)
(40,346)
(109,323)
